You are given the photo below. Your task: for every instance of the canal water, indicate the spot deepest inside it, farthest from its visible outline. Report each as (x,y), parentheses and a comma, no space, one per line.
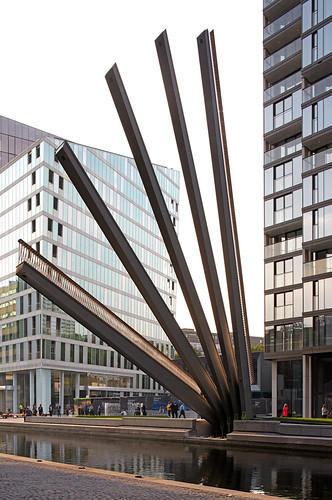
(301,477)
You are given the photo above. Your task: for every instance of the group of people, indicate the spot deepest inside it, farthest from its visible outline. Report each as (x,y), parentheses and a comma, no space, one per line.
(140,409)
(173,409)
(26,411)
(325,411)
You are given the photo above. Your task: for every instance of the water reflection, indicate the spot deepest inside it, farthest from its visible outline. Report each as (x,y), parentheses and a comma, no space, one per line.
(305,477)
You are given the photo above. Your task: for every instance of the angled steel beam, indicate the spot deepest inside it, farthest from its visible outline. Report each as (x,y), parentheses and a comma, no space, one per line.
(89,312)
(231,205)
(199,219)
(129,259)
(168,233)
(225,220)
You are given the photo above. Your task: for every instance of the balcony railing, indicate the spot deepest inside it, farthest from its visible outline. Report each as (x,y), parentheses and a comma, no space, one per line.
(282,21)
(282,54)
(283,247)
(282,151)
(317,267)
(281,87)
(317,89)
(317,160)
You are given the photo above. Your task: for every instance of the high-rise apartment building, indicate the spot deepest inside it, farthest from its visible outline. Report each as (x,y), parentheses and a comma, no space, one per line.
(45,356)
(298,202)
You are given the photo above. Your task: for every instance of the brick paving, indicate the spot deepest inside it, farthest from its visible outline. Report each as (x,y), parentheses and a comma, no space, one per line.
(26,478)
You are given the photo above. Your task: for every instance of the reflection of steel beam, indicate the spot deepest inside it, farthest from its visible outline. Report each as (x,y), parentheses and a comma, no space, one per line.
(225,219)
(129,259)
(74,300)
(168,233)
(197,210)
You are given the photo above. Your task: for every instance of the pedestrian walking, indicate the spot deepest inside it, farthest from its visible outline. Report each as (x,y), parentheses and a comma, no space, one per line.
(182,412)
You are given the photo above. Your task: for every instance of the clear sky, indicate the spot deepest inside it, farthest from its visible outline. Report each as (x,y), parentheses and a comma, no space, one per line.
(53,60)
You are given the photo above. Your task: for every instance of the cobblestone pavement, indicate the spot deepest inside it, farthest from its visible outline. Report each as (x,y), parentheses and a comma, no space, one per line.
(26,478)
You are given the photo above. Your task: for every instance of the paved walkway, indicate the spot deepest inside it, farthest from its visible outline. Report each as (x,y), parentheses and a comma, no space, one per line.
(27,478)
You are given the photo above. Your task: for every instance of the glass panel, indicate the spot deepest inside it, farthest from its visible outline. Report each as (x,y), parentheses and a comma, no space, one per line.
(268,175)
(328,220)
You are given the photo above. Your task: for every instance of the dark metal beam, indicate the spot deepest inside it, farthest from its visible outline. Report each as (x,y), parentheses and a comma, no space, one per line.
(168,233)
(81,306)
(225,219)
(199,219)
(129,259)
(231,206)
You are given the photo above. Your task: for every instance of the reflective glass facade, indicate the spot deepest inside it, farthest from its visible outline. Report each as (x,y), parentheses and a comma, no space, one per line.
(298,198)
(45,356)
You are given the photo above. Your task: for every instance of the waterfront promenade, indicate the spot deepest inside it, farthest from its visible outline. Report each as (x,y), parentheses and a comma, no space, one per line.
(28,478)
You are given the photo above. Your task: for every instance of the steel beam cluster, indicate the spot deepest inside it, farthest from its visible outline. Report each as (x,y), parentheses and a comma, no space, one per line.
(223,393)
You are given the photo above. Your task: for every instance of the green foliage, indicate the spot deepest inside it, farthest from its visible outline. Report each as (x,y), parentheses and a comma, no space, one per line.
(300,420)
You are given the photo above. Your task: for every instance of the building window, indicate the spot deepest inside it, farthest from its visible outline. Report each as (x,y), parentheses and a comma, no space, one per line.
(38,151)
(55,203)
(58,327)
(283,208)
(37,199)
(49,224)
(63,351)
(282,111)
(315,294)
(60,228)
(33,325)
(50,176)
(283,272)
(314,46)
(48,325)
(54,251)
(60,182)
(29,204)
(29,158)
(283,176)
(33,178)
(80,360)
(38,246)
(33,226)
(314,111)
(283,305)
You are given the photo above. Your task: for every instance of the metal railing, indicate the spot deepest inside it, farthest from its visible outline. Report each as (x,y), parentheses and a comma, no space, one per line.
(281,151)
(282,54)
(315,267)
(317,160)
(316,89)
(282,21)
(43,266)
(281,87)
(283,247)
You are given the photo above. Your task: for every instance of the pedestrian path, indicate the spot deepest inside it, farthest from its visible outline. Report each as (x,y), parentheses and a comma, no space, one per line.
(40,480)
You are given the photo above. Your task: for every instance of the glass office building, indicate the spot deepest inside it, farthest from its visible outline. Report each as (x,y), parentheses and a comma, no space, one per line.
(45,356)
(298,202)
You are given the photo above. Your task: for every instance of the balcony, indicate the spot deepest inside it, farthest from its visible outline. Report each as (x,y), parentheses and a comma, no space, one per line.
(285,126)
(283,247)
(287,26)
(317,89)
(276,8)
(317,160)
(279,88)
(317,267)
(283,62)
(280,152)
(318,69)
